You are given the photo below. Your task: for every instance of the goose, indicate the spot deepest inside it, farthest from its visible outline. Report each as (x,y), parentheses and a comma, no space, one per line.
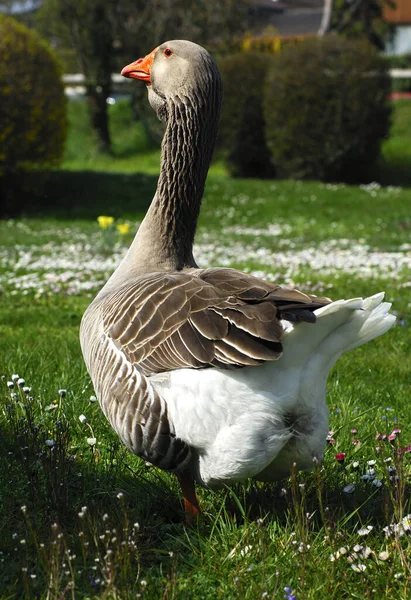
(212,374)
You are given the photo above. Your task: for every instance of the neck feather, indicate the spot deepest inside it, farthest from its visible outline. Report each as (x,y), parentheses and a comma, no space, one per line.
(165,238)
(164,241)
(187,150)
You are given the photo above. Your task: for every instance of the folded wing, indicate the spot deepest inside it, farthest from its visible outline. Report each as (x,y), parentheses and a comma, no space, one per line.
(203,318)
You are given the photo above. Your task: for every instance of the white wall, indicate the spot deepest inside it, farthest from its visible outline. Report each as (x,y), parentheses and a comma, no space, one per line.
(401,41)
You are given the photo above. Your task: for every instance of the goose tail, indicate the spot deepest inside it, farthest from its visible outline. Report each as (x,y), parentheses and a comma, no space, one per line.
(340,326)
(366,319)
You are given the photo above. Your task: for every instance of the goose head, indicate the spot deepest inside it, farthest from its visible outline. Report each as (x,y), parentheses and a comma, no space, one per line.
(177,72)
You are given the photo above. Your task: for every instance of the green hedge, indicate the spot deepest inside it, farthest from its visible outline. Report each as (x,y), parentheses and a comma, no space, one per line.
(32,101)
(242,120)
(401,61)
(327,110)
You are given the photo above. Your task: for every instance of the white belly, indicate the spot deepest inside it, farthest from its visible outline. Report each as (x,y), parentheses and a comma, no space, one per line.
(245,423)
(258,421)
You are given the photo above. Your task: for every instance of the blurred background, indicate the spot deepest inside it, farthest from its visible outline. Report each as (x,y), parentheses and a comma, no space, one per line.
(344,65)
(309,187)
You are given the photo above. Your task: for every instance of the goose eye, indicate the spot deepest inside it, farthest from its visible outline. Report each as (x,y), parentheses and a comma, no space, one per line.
(168,52)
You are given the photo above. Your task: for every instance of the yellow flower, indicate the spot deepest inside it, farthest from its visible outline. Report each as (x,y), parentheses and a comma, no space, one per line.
(123,228)
(105,222)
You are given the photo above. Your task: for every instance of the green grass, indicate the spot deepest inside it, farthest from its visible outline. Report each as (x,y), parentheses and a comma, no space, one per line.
(252,540)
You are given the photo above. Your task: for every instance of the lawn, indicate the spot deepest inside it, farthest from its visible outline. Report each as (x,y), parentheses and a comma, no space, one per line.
(82,517)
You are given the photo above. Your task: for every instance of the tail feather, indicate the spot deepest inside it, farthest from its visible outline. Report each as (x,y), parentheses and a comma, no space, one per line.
(377,322)
(310,351)
(341,326)
(373,301)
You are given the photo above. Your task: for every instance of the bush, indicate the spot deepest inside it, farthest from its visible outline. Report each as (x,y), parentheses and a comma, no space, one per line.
(327,110)
(242,120)
(32,102)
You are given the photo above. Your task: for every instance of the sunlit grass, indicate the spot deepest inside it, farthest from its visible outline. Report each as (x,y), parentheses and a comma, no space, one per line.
(83,517)
(98,522)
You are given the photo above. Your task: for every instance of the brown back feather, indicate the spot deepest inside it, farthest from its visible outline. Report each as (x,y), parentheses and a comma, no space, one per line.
(202,318)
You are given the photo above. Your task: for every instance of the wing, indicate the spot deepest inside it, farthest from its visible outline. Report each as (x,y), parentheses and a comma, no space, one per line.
(203,318)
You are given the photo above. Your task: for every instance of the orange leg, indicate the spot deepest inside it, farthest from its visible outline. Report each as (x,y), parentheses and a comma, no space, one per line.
(190,499)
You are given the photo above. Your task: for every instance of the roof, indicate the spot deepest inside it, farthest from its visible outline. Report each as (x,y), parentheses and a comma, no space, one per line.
(295,22)
(401,13)
(298,22)
(300,4)
(288,17)
(280,5)
(266,5)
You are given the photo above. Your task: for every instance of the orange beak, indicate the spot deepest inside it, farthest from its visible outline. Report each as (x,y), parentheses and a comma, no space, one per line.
(141,68)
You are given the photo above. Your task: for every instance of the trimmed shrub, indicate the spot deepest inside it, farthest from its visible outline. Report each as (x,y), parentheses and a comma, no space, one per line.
(32,102)
(242,126)
(327,110)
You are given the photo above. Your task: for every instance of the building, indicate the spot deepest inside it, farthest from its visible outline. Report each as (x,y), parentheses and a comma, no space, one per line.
(23,10)
(286,17)
(400,17)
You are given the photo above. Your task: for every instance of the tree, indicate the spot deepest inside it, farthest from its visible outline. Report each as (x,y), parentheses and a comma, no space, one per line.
(326,20)
(32,109)
(356,18)
(209,22)
(32,102)
(88,26)
(102,31)
(212,23)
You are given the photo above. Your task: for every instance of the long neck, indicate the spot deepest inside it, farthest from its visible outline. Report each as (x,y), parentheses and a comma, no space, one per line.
(166,236)
(164,241)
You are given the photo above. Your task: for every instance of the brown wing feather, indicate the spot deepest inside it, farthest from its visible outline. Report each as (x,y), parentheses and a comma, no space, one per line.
(202,318)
